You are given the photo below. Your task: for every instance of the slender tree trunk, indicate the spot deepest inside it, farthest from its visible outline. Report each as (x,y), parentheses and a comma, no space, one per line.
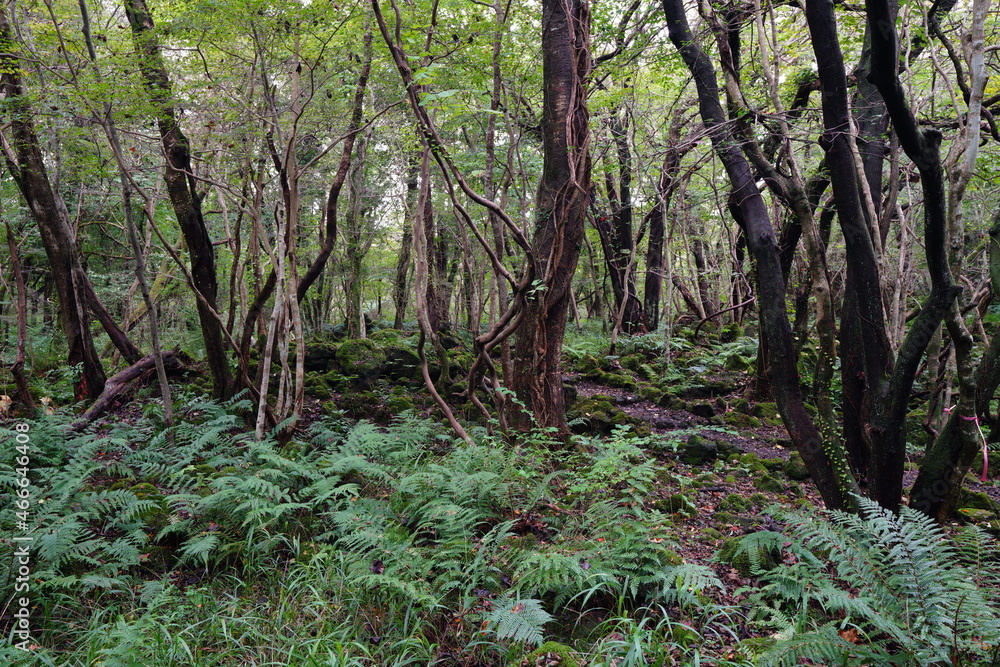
(23,155)
(17,368)
(834,483)
(182,191)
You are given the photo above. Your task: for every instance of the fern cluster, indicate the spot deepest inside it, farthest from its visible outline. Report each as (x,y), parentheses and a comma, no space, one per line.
(890,590)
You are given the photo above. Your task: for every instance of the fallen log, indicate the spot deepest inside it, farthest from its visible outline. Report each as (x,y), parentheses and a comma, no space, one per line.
(121,385)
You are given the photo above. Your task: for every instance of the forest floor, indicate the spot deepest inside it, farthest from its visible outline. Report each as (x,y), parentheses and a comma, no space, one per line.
(672,466)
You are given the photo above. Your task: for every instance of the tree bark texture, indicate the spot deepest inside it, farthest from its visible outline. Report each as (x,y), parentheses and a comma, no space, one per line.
(27,167)
(834,485)
(562,202)
(182,191)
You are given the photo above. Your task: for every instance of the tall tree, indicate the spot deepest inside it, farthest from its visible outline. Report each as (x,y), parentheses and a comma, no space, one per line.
(182,190)
(25,161)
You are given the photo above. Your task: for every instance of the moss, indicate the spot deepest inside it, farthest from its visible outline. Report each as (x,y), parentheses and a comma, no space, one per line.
(648,372)
(588,364)
(361,359)
(795,468)
(765,410)
(735,362)
(977,500)
(617,380)
(731,332)
(767,483)
(711,534)
(737,419)
(734,502)
(752,462)
(651,393)
(317,386)
(632,362)
(548,650)
(146,491)
(397,404)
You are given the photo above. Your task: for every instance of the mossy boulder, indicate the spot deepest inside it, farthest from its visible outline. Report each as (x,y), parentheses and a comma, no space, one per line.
(698,450)
(795,468)
(549,654)
(765,410)
(973,505)
(735,362)
(317,386)
(651,393)
(632,362)
(739,420)
(402,364)
(362,360)
(617,380)
(752,463)
(767,483)
(321,356)
(596,415)
(588,364)
(734,502)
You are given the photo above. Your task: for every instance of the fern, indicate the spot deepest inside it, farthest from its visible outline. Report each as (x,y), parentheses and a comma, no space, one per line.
(899,580)
(520,620)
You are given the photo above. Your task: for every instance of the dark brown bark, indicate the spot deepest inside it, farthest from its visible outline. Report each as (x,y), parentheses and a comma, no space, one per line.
(561,209)
(763,245)
(615,230)
(17,368)
(27,167)
(120,386)
(400,294)
(181,189)
(887,383)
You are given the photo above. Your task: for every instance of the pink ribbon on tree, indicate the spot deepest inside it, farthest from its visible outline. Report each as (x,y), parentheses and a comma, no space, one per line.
(986,456)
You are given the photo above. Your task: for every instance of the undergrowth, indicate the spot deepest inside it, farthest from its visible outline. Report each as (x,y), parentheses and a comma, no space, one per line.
(353,545)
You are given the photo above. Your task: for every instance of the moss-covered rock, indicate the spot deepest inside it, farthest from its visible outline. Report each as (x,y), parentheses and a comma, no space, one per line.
(651,393)
(765,410)
(737,419)
(595,415)
(617,380)
(321,355)
(795,468)
(549,654)
(767,483)
(698,450)
(734,502)
(362,360)
(752,462)
(317,386)
(403,364)
(976,500)
(588,364)
(632,362)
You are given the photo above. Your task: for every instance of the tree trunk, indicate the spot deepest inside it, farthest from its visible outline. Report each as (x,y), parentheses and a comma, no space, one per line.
(561,209)
(834,484)
(24,159)
(181,189)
